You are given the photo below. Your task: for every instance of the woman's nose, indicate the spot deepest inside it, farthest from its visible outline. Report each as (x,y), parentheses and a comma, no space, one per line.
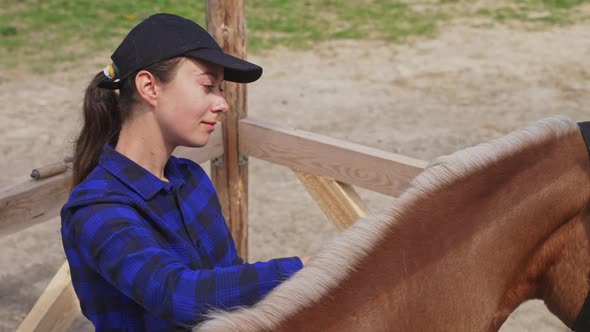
(220,105)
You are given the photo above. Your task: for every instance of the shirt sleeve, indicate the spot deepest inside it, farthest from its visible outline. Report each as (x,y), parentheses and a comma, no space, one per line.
(117,242)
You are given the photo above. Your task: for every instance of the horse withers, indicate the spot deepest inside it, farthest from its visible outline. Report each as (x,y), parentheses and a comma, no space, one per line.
(476,234)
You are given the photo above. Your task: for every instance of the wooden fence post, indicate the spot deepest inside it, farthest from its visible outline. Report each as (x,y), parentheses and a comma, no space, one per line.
(226,22)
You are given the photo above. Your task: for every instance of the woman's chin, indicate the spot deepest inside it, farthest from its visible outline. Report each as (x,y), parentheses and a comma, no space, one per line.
(193,141)
(197,143)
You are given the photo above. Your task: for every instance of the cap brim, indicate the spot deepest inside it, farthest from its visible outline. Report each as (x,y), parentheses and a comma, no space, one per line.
(235,69)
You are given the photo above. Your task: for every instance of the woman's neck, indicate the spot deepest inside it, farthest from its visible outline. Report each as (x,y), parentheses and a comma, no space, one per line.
(141,141)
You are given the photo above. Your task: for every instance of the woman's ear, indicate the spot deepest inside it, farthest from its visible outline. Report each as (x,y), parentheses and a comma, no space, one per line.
(145,83)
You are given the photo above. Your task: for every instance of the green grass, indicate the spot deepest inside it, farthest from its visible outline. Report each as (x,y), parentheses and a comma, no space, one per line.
(303,23)
(40,34)
(545,12)
(556,3)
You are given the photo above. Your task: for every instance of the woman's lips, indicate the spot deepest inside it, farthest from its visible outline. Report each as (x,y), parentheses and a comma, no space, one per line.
(210,124)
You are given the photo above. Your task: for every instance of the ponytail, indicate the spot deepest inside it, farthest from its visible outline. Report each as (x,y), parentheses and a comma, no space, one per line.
(104,112)
(102,124)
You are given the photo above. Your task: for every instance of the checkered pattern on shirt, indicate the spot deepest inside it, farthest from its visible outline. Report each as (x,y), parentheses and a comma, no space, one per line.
(149,255)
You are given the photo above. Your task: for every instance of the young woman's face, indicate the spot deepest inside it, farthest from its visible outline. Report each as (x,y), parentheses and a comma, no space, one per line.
(189,105)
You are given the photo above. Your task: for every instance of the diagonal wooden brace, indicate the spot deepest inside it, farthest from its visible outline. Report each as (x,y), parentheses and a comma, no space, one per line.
(339,201)
(56,308)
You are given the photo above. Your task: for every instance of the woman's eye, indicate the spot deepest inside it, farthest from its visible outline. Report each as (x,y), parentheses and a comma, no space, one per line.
(211,87)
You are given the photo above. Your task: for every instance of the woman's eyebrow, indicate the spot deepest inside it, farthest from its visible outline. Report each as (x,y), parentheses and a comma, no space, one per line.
(214,75)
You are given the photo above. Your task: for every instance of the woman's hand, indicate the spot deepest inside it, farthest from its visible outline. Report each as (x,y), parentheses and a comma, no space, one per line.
(305,260)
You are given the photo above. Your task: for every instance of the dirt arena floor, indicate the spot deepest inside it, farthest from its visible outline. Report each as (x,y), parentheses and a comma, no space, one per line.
(423,99)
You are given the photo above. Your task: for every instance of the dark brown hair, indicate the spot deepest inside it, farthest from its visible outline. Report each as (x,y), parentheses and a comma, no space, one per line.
(104,112)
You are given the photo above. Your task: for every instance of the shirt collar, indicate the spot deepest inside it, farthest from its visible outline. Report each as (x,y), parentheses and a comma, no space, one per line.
(135,176)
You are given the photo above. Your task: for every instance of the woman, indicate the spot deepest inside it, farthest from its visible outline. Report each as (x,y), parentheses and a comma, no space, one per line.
(143,232)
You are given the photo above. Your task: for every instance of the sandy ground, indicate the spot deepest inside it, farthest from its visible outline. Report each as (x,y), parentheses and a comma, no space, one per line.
(423,99)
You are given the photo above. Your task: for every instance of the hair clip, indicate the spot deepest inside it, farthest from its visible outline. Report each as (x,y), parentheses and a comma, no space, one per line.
(111,72)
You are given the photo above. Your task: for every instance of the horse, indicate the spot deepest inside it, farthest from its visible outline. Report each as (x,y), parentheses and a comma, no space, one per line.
(477,233)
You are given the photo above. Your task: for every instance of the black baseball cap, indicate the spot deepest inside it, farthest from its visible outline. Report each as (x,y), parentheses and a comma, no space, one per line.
(165,36)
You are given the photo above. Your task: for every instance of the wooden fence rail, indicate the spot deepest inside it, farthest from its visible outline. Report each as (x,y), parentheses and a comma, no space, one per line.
(377,170)
(36,201)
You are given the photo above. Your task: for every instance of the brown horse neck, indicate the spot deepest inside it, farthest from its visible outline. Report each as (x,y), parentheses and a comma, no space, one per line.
(454,252)
(557,274)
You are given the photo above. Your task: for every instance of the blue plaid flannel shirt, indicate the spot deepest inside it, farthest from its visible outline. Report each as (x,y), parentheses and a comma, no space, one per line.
(150,255)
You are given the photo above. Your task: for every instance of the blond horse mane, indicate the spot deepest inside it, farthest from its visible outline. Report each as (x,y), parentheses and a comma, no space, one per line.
(338,258)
